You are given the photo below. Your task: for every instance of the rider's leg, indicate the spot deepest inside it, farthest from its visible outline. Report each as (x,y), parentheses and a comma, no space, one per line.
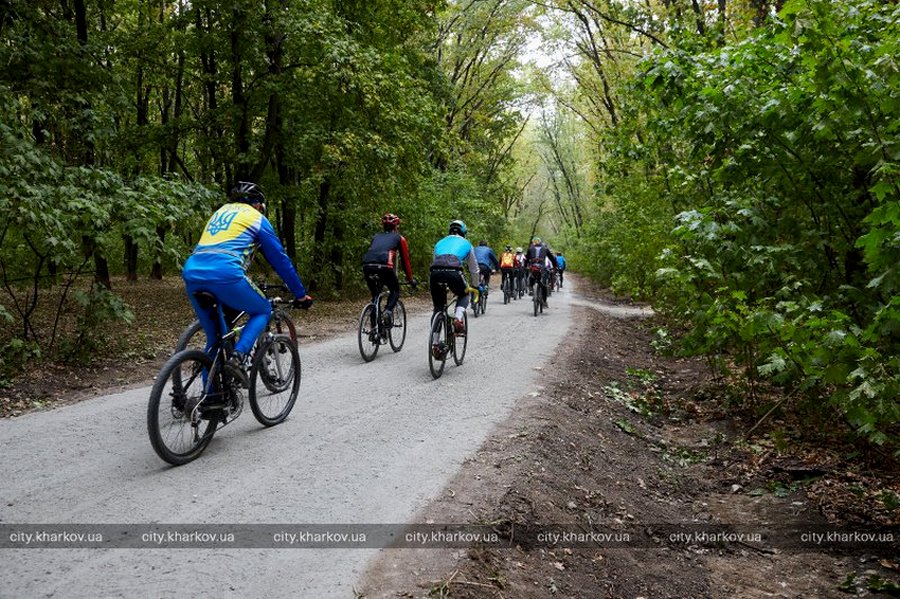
(244,295)
(393,285)
(460,288)
(438,295)
(372,275)
(206,316)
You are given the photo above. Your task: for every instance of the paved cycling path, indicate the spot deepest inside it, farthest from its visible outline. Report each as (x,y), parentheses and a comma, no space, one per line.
(365,444)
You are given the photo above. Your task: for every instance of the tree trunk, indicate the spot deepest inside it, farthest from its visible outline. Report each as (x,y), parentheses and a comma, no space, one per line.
(157,271)
(337,244)
(238,100)
(131,258)
(321,227)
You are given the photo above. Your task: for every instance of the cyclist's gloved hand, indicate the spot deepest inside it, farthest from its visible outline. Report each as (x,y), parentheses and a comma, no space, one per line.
(305,302)
(481,288)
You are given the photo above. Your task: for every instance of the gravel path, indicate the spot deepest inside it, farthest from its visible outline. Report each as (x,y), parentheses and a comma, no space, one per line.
(366,444)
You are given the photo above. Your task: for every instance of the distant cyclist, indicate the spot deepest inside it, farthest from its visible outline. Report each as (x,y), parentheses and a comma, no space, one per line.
(520,264)
(219,263)
(540,263)
(450,253)
(487,261)
(507,267)
(561,264)
(381,261)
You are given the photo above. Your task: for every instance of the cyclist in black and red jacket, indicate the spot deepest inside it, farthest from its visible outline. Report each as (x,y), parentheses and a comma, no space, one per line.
(380,263)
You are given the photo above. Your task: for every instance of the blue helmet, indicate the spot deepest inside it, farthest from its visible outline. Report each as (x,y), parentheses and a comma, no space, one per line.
(457,227)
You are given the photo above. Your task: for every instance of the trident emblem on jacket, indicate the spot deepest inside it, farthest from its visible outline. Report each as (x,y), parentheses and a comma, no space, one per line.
(220,222)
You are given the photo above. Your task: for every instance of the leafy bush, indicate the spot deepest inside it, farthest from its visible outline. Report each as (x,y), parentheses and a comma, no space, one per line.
(777,160)
(100,308)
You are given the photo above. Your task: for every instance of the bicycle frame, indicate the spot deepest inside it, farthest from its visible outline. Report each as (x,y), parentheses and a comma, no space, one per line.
(447,336)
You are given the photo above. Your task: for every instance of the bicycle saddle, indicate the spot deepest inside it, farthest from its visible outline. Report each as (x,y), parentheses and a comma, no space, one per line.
(206,299)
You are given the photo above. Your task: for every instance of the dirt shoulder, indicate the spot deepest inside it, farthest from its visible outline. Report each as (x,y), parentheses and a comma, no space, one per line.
(618,440)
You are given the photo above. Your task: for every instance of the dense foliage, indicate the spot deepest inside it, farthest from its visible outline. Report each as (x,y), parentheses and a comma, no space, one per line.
(124,123)
(751,190)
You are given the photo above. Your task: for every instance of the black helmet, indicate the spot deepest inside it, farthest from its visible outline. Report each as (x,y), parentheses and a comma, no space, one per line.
(482,242)
(457,227)
(508,248)
(248,193)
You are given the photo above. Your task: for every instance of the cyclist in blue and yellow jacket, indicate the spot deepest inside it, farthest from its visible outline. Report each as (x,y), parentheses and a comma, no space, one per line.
(450,253)
(220,261)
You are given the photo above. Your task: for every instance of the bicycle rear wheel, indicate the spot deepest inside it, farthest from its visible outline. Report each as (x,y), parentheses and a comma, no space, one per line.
(438,344)
(191,337)
(274,380)
(460,342)
(367,336)
(178,426)
(397,331)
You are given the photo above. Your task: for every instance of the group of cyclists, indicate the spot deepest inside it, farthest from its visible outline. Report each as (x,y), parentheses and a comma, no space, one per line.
(222,257)
(454,254)
(523,270)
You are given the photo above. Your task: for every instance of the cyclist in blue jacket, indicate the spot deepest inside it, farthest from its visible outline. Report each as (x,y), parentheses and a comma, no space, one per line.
(487,261)
(561,264)
(219,266)
(450,253)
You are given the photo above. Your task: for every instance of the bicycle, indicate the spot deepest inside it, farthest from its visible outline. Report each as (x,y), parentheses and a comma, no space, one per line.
(192,336)
(374,331)
(479,300)
(195,393)
(507,287)
(539,297)
(443,340)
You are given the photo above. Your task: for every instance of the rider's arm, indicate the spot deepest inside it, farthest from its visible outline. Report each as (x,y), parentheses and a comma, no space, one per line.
(274,252)
(496,263)
(404,256)
(472,261)
(553,263)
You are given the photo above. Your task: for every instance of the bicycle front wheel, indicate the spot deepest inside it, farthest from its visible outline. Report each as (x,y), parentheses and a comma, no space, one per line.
(397,331)
(460,342)
(285,326)
(438,344)
(274,380)
(367,336)
(179,427)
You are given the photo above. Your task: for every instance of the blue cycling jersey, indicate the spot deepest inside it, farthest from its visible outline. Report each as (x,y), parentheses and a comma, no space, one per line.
(227,245)
(560,261)
(486,256)
(453,245)
(452,252)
